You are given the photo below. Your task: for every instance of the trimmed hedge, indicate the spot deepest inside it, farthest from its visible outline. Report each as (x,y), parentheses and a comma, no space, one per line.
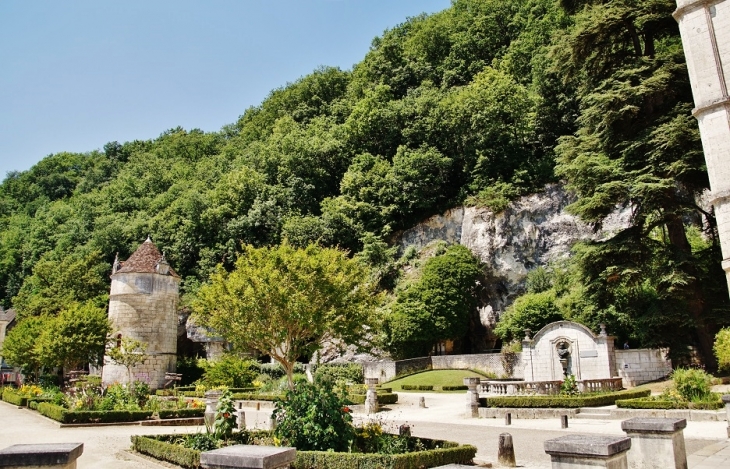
(189,391)
(176,454)
(417,387)
(418,459)
(455,388)
(383,398)
(63,415)
(595,400)
(180,413)
(52,411)
(450,453)
(14,398)
(667,404)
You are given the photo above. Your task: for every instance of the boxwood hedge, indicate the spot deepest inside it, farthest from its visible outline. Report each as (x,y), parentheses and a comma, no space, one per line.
(384,398)
(12,397)
(63,415)
(594,400)
(180,413)
(417,387)
(667,404)
(449,453)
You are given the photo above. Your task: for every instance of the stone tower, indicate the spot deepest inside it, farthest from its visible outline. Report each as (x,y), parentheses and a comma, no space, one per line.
(705,29)
(143,306)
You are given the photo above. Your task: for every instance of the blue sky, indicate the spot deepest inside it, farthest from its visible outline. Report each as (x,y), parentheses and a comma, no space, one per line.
(77,74)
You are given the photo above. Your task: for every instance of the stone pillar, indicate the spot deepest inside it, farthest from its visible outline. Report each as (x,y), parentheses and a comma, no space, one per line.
(588,451)
(656,443)
(726,400)
(54,455)
(248,457)
(705,29)
(211,404)
(371,398)
(472,397)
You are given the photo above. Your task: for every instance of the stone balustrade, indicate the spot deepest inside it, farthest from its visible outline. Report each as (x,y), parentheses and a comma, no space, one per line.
(600,385)
(510,388)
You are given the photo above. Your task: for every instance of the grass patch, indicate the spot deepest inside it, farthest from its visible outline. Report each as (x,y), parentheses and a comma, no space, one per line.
(436,378)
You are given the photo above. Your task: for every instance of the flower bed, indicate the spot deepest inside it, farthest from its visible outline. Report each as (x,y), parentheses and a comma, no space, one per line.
(595,400)
(659,403)
(439,453)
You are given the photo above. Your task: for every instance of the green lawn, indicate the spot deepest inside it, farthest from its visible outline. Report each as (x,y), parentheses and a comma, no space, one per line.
(437,378)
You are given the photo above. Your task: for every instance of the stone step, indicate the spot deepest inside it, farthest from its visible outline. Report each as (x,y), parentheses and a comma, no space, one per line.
(593,413)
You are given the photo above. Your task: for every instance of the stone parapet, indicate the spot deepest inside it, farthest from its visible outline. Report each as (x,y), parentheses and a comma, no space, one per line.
(248,457)
(656,443)
(588,451)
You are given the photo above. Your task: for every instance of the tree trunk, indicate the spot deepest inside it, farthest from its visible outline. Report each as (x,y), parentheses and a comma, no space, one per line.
(695,296)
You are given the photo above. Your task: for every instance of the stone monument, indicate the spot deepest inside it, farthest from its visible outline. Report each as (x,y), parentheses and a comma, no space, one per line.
(143,306)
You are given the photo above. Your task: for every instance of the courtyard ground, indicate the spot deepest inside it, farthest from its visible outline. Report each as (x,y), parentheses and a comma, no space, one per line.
(106,447)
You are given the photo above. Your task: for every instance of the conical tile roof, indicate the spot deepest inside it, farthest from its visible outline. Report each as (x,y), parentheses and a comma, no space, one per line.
(144,260)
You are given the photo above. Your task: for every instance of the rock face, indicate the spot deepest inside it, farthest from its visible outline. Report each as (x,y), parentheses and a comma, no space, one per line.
(531,232)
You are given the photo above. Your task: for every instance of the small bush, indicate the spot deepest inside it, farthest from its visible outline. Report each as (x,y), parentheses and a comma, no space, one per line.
(176,454)
(659,403)
(454,388)
(52,411)
(231,371)
(692,384)
(180,413)
(384,398)
(12,397)
(312,417)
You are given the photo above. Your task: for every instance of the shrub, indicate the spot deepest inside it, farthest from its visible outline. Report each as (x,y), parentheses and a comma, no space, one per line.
(190,370)
(180,413)
(52,411)
(350,373)
(312,417)
(176,454)
(231,371)
(692,384)
(460,387)
(722,348)
(562,401)
(225,417)
(417,387)
(384,398)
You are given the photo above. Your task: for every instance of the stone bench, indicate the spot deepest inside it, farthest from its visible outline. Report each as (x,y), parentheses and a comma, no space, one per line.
(588,451)
(54,455)
(248,457)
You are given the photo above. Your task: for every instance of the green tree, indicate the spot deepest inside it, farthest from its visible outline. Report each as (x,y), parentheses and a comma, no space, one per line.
(76,337)
(530,311)
(284,301)
(20,345)
(436,307)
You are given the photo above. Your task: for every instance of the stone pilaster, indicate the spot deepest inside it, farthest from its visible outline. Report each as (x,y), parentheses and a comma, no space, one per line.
(705,29)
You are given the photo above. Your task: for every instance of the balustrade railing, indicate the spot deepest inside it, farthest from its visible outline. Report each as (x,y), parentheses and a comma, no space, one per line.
(510,388)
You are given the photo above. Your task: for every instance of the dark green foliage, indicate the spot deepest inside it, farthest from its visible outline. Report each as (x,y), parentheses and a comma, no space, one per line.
(384,398)
(454,388)
(562,401)
(531,311)
(64,415)
(190,370)
(312,417)
(437,307)
(53,411)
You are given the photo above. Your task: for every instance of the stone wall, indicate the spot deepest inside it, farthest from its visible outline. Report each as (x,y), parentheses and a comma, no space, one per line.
(638,366)
(387,370)
(143,306)
(486,362)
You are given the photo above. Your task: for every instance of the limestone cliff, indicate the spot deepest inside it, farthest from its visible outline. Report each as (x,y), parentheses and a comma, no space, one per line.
(530,232)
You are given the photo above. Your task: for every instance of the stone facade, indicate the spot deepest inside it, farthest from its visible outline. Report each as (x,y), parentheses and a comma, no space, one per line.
(143,306)
(705,29)
(7,318)
(588,356)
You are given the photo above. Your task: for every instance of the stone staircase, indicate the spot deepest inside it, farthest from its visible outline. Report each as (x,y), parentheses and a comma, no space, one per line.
(597,413)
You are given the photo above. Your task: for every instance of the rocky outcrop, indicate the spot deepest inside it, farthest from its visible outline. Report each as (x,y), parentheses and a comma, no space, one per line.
(532,231)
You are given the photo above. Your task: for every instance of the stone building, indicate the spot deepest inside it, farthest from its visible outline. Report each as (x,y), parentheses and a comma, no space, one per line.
(143,306)
(705,29)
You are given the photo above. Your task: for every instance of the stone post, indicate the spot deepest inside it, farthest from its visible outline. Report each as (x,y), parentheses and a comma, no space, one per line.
(656,443)
(54,455)
(588,451)
(726,400)
(211,404)
(248,457)
(371,398)
(506,451)
(472,397)
(241,414)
